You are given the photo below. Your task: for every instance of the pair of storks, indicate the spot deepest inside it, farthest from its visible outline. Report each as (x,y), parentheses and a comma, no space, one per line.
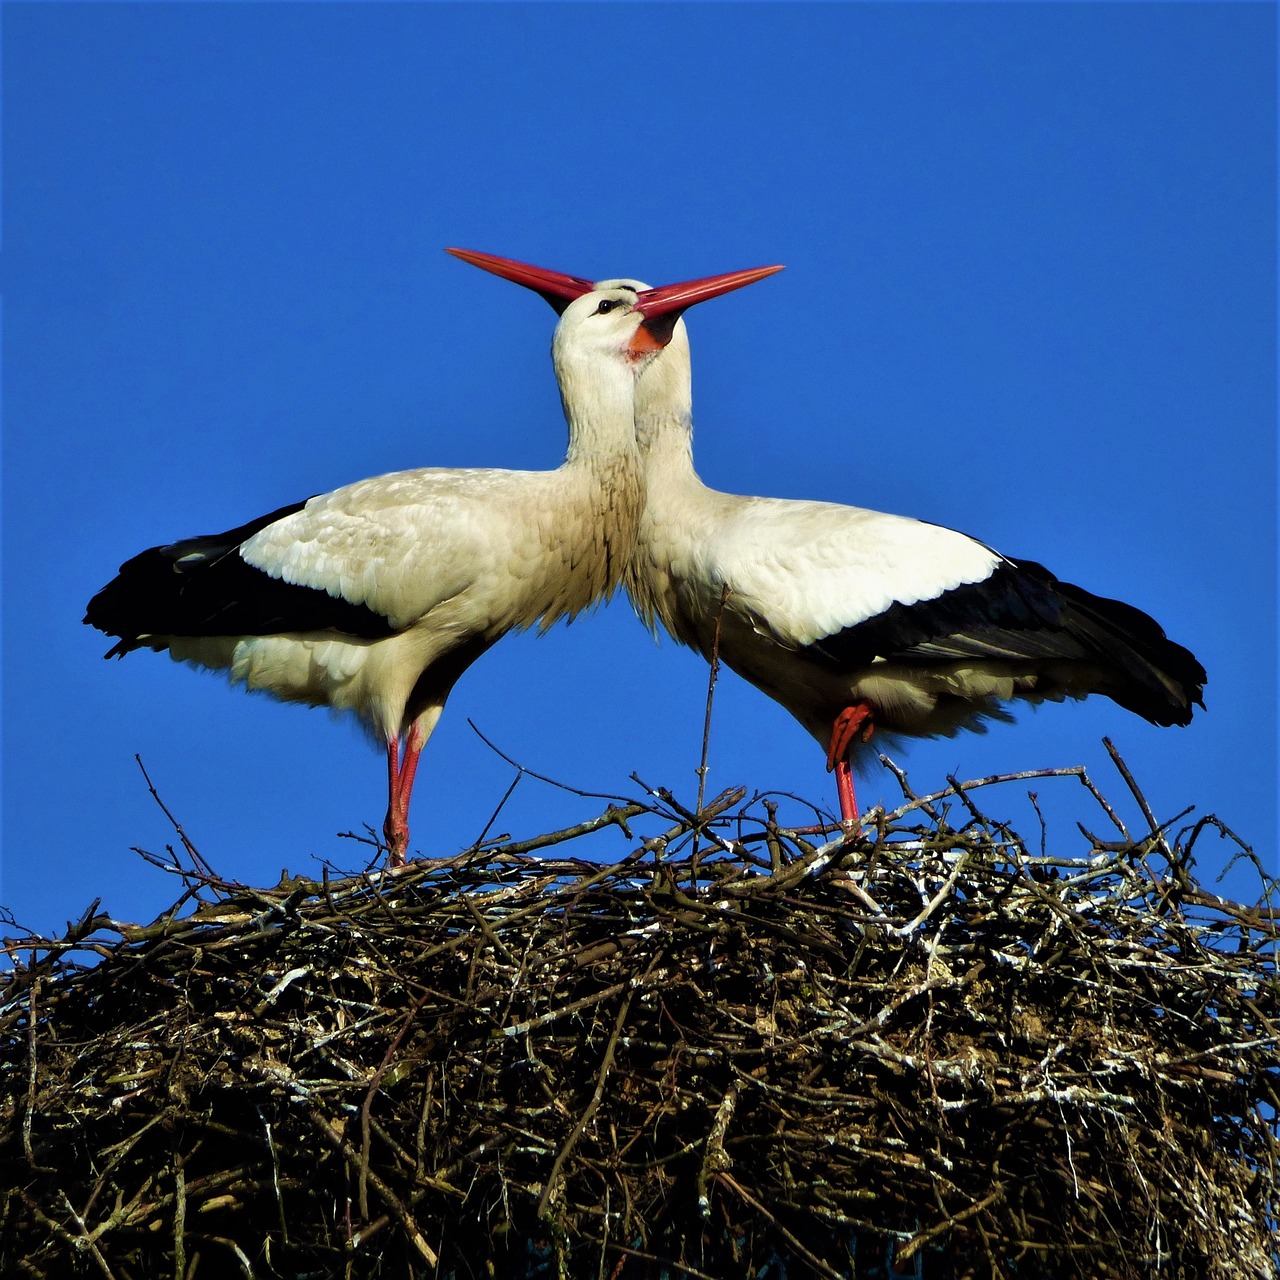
(375,598)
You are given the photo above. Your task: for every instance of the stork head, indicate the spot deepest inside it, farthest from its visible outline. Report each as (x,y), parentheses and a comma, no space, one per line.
(659,309)
(664,394)
(665,388)
(604,324)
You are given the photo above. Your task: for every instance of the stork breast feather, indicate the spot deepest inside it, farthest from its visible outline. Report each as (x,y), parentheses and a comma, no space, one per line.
(815,569)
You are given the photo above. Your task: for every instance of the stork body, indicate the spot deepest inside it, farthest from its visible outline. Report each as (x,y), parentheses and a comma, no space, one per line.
(375,598)
(858,621)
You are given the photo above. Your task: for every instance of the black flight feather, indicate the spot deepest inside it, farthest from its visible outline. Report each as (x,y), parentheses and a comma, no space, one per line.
(1021,613)
(204,587)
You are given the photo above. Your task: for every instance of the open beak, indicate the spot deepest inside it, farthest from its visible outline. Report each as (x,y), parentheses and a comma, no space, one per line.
(556,287)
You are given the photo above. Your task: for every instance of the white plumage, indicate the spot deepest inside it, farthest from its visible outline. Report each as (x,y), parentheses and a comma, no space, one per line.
(442,556)
(774,552)
(375,598)
(856,620)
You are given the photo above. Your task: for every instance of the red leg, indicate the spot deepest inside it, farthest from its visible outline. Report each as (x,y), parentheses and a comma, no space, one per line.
(393,764)
(413,744)
(854,722)
(393,828)
(844,789)
(399,790)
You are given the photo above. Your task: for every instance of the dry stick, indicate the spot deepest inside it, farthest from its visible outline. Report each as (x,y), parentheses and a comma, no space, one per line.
(493,817)
(905,930)
(275,1177)
(1075,771)
(333,1136)
(1034,797)
(720,803)
(533,908)
(1106,807)
(1156,829)
(697,822)
(810,865)
(772,843)
(629,1251)
(823,825)
(706,730)
(716,1159)
(245,1265)
(118,1152)
(179,1219)
(963,796)
(603,1075)
(31,1078)
(811,1258)
(86,1239)
(540,777)
(383,1221)
(613,817)
(909,1250)
(375,1085)
(52,1226)
(629,985)
(901,776)
(487,929)
(583,1120)
(196,857)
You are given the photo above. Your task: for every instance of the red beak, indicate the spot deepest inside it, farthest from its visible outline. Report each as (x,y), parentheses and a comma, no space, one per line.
(660,307)
(653,303)
(556,287)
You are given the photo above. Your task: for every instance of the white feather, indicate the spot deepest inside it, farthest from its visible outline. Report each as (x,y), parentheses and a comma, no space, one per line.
(808,569)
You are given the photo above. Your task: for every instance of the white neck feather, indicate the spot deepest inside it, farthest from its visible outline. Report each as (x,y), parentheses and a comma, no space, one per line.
(599,406)
(601,482)
(664,411)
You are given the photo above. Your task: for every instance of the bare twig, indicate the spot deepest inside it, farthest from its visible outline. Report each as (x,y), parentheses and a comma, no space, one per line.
(712,675)
(540,777)
(197,860)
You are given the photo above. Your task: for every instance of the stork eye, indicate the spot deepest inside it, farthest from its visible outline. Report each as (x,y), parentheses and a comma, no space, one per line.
(607,305)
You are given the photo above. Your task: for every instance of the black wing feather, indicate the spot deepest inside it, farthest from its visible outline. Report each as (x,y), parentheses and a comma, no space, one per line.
(1022,613)
(204,587)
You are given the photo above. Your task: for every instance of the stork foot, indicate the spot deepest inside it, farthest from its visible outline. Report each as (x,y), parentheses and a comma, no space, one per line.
(854,723)
(396,834)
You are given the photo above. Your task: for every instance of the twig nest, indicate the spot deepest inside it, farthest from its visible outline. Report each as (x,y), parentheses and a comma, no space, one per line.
(929,1048)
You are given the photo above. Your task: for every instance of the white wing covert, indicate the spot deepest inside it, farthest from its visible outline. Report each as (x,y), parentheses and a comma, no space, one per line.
(399,544)
(811,569)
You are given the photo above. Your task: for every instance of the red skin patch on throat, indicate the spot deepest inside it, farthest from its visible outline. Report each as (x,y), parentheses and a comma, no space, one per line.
(642,344)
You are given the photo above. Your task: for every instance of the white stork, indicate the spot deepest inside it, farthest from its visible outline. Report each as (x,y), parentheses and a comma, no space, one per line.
(375,598)
(855,620)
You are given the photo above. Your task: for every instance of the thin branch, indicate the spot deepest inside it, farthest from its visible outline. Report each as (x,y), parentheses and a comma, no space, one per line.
(712,675)
(541,777)
(197,859)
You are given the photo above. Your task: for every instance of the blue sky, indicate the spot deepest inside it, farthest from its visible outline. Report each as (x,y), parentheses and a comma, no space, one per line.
(1030,294)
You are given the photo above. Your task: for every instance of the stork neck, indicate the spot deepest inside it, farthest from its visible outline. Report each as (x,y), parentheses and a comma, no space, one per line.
(664,413)
(602,476)
(665,437)
(599,406)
